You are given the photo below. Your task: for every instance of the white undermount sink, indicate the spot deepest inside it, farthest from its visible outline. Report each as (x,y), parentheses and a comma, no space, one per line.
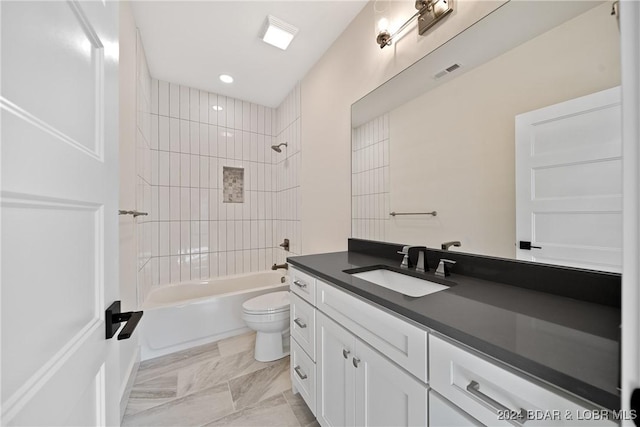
(407,285)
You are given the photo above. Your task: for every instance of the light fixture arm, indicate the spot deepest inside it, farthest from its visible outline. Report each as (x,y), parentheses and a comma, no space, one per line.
(423,6)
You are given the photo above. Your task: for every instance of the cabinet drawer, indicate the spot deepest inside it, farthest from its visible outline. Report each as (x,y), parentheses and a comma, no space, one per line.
(303,325)
(303,285)
(443,413)
(303,375)
(397,339)
(493,394)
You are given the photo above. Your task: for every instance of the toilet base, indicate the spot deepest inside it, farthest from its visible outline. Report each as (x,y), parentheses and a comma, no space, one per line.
(271,346)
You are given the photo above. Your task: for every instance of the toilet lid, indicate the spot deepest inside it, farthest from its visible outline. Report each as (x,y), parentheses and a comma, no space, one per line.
(268,303)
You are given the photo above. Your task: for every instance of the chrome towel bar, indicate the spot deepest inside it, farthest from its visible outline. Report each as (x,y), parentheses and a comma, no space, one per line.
(433,213)
(134,213)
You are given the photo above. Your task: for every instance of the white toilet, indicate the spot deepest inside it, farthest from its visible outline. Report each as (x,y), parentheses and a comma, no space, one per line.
(268,315)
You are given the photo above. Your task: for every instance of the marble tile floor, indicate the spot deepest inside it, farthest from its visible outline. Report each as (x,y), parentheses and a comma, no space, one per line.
(218,384)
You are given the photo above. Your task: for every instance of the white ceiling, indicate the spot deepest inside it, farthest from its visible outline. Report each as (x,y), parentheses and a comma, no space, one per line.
(193,42)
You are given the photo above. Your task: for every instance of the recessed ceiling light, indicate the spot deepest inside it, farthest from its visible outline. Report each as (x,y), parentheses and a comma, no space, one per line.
(278,33)
(226,78)
(217,108)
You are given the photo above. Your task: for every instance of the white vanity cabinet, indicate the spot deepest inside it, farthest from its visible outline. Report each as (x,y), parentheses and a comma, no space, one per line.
(355,363)
(358,386)
(302,324)
(496,395)
(335,368)
(443,413)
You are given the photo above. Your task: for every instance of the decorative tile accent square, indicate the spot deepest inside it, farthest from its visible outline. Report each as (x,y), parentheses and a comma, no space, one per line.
(233,184)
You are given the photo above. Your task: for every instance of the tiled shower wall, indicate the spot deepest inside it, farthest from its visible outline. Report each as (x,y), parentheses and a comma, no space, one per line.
(287,186)
(370,179)
(194,135)
(147,276)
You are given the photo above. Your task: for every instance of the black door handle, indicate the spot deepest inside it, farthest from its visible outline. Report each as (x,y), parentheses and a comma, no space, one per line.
(527,245)
(634,405)
(113,317)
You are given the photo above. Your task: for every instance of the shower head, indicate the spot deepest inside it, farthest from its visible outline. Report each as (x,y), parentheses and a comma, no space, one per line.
(277,148)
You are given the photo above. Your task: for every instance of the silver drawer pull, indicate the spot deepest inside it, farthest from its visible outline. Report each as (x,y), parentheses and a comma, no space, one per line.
(300,323)
(474,389)
(345,353)
(299,284)
(301,374)
(356,362)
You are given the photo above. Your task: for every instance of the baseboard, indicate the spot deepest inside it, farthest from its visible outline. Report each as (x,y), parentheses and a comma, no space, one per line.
(126,390)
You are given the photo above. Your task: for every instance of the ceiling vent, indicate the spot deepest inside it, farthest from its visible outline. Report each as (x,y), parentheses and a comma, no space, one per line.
(449,69)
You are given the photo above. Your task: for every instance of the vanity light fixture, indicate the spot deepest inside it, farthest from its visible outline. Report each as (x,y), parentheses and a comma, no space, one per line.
(217,108)
(226,78)
(278,33)
(429,13)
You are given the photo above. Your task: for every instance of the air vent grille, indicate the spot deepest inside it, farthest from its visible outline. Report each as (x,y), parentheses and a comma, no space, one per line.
(449,69)
(453,68)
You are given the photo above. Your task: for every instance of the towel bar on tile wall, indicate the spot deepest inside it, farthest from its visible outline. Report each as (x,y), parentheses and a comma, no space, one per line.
(433,213)
(134,213)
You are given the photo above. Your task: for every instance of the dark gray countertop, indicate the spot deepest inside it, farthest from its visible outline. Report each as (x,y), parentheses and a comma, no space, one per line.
(570,343)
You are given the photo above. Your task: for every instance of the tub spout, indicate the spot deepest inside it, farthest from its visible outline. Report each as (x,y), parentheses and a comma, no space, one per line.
(277,266)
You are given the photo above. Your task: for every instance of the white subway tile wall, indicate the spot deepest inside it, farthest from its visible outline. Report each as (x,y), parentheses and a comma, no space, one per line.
(146,169)
(370,180)
(286,182)
(191,136)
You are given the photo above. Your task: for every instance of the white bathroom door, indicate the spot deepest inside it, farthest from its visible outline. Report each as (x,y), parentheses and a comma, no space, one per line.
(630,52)
(569,183)
(59,192)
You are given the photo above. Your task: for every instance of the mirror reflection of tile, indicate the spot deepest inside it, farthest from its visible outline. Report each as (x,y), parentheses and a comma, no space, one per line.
(233,185)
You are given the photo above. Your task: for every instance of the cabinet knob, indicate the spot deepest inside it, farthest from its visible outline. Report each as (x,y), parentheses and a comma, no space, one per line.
(356,362)
(345,353)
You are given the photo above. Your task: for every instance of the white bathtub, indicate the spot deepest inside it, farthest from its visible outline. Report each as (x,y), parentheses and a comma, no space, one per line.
(188,314)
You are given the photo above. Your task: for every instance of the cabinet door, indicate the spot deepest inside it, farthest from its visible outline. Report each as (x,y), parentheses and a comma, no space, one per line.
(335,374)
(385,394)
(442,413)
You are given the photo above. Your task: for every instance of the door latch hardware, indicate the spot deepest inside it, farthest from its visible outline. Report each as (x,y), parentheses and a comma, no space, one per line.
(113,317)
(527,246)
(634,405)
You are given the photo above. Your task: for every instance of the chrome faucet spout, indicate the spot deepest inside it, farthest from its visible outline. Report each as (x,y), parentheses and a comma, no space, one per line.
(446,245)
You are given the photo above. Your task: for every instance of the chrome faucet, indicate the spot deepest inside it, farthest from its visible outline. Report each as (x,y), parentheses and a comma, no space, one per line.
(408,251)
(446,245)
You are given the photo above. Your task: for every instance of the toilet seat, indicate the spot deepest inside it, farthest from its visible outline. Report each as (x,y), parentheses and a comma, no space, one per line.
(271,303)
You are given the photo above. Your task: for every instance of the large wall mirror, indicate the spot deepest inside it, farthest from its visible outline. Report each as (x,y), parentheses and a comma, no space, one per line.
(441,135)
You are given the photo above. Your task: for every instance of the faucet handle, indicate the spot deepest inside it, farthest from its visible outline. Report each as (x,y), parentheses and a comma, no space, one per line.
(443,267)
(405,259)
(405,250)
